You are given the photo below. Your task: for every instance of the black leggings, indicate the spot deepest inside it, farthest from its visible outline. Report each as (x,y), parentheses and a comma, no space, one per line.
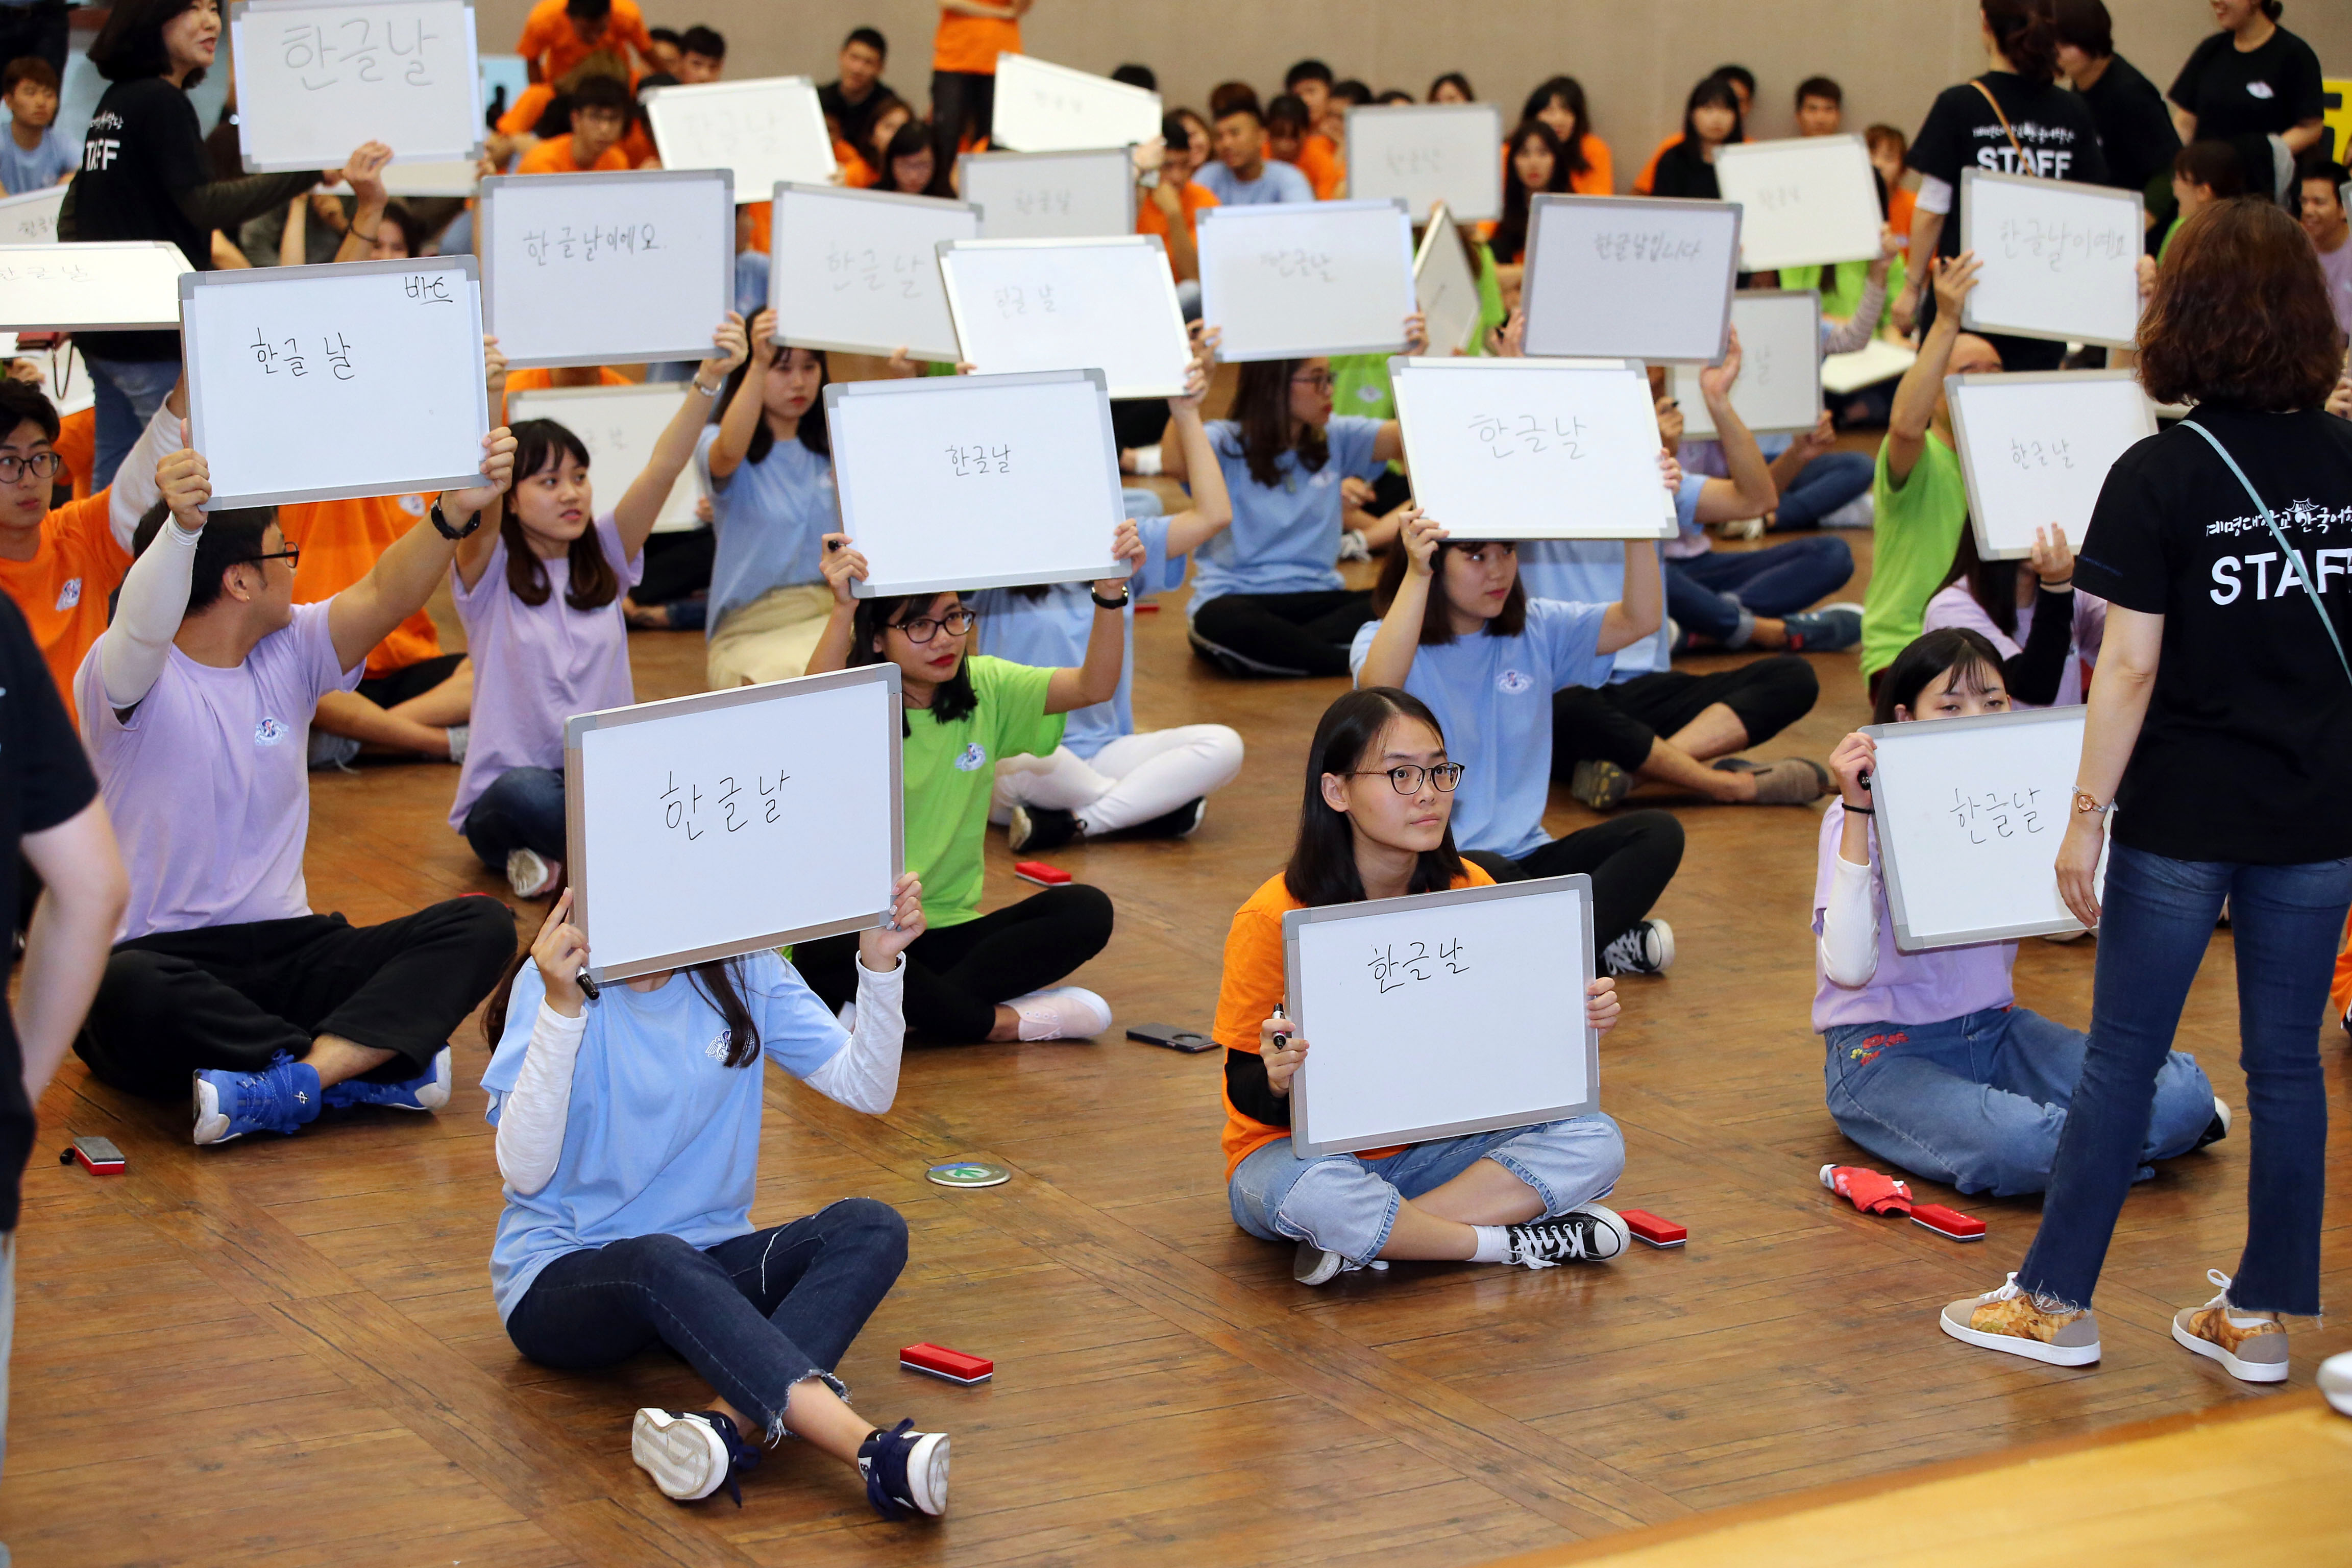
(1619,723)
(1630,859)
(1281,633)
(957,974)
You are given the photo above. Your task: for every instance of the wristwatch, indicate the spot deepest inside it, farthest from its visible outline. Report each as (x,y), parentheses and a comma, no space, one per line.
(1101,602)
(2086,802)
(441,522)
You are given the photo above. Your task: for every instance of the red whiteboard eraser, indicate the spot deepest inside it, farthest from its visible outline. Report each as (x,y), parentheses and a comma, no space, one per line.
(1651,1228)
(1038,871)
(1949,1221)
(938,1360)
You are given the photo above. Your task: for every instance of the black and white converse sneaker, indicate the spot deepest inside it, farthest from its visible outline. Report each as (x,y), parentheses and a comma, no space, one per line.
(691,1453)
(904,1469)
(1588,1235)
(1646,948)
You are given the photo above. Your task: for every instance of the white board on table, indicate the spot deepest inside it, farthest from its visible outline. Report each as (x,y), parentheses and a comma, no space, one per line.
(762,130)
(1804,202)
(859,270)
(1441,1013)
(1444,287)
(1050,195)
(1779,385)
(619,426)
(688,822)
(1422,153)
(1875,362)
(2035,449)
(31,219)
(97,285)
(362,378)
(607,268)
(1527,448)
(1296,280)
(1632,277)
(1068,304)
(1044,108)
(2061,260)
(315,79)
(977,481)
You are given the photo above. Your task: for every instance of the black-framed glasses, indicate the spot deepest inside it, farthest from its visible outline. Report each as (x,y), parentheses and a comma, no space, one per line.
(923,629)
(1406,778)
(1320,380)
(40,464)
(291,555)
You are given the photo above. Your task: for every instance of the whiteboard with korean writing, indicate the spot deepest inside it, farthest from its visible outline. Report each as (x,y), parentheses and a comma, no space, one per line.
(977,481)
(1050,195)
(2061,260)
(1968,816)
(1779,385)
(96,286)
(31,219)
(323,383)
(2035,449)
(1441,1014)
(1044,108)
(619,426)
(1525,449)
(1292,280)
(707,827)
(762,130)
(1807,201)
(859,270)
(1068,304)
(1444,287)
(1424,153)
(315,80)
(1630,276)
(611,269)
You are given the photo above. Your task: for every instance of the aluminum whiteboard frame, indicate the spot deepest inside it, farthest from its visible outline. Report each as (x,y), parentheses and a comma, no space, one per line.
(802,187)
(575,808)
(1747,152)
(1302,1141)
(1412,305)
(9,322)
(964,160)
(949,247)
(1969,179)
(1535,233)
(1737,295)
(1431,233)
(236,14)
(518,405)
(1493,113)
(190,281)
(1952,385)
(1906,938)
(711,88)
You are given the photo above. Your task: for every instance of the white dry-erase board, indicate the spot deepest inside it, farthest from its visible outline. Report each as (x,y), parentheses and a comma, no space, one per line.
(859,270)
(1632,277)
(1422,153)
(31,219)
(707,827)
(1445,287)
(90,287)
(1068,304)
(762,130)
(1779,385)
(454,177)
(2036,447)
(315,79)
(607,268)
(1525,448)
(1441,1014)
(1970,814)
(1050,195)
(2061,260)
(322,383)
(1804,202)
(1296,280)
(619,426)
(977,481)
(1875,362)
(1044,108)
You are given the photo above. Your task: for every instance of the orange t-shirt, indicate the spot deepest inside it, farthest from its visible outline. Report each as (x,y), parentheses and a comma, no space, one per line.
(2340,992)
(64,588)
(1319,160)
(340,541)
(548,37)
(553,156)
(541,378)
(1252,985)
(76,442)
(524,113)
(1902,205)
(970,44)
(855,171)
(763,226)
(638,145)
(1190,200)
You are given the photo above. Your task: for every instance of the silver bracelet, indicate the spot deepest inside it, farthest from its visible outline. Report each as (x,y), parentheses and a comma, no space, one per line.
(708,391)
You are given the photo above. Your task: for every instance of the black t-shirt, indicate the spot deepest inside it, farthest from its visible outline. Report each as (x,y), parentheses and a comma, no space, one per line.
(2055,131)
(1683,171)
(855,119)
(144,147)
(2263,92)
(2247,747)
(2136,131)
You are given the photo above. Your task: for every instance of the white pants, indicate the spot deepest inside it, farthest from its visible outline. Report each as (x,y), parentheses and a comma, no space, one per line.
(1131,781)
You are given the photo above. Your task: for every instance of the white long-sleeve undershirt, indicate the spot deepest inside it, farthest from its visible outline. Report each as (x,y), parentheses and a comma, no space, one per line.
(1849,940)
(1858,329)
(134,489)
(147,613)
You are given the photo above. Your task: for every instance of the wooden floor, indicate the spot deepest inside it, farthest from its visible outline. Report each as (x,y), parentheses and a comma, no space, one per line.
(284,1351)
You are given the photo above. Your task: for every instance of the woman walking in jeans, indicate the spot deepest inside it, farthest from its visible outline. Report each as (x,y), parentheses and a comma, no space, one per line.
(2220,730)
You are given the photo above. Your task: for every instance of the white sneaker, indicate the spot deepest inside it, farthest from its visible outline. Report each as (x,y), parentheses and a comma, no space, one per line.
(1862,511)
(2336,1381)
(458,736)
(686,1454)
(1311,1265)
(531,876)
(1647,947)
(1067,1012)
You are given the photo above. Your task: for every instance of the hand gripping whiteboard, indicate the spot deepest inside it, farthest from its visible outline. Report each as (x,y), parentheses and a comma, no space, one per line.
(1524,448)
(315,79)
(1050,195)
(1070,304)
(611,269)
(977,481)
(705,827)
(31,219)
(1441,1014)
(2061,260)
(362,378)
(1804,202)
(92,287)
(1969,816)
(1444,287)
(762,130)
(1293,281)
(1422,153)
(619,426)
(1044,108)
(1631,276)
(859,270)
(1779,384)
(2035,449)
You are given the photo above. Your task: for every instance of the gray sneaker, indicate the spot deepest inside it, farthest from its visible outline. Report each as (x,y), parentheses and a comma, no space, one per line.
(1825,630)
(2250,1352)
(331,750)
(1598,785)
(2009,1320)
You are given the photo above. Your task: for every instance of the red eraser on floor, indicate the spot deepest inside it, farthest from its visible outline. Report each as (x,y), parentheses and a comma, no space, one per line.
(1147,606)
(1651,1228)
(1949,1221)
(938,1360)
(1038,871)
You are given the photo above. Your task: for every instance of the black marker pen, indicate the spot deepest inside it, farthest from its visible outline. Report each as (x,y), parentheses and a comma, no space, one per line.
(1282,1039)
(588,985)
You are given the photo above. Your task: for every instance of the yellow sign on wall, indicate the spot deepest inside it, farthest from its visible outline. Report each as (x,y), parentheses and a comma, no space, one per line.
(2336,92)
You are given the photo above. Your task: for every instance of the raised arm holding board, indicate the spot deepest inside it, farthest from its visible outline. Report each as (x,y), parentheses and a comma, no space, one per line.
(316,77)
(2036,447)
(2061,260)
(1290,281)
(859,270)
(1780,387)
(606,269)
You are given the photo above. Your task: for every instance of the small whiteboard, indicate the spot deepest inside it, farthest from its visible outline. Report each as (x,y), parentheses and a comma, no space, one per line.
(456,177)
(1293,281)
(1046,107)
(1875,362)
(1808,201)
(611,269)
(1070,304)
(619,426)
(362,378)
(859,270)
(1444,287)
(1631,276)
(315,79)
(1779,385)
(1527,448)
(1424,153)
(90,287)
(762,130)
(2061,260)
(2035,449)
(1050,195)
(688,824)
(1969,816)
(977,481)
(31,219)
(1441,1014)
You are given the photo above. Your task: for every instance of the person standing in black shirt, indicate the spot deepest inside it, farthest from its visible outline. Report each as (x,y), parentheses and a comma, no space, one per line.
(2134,127)
(2255,86)
(853,97)
(1711,118)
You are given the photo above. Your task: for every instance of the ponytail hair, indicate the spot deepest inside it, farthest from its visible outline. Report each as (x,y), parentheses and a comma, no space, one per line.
(2027,36)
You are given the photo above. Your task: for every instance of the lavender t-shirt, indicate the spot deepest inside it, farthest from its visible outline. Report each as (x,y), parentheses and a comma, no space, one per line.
(536,666)
(1956,607)
(1908,987)
(208,781)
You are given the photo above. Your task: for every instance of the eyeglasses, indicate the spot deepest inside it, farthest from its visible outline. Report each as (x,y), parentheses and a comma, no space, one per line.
(1406,779)
(924,628)
(291,555)
(1320,380)
(41,465)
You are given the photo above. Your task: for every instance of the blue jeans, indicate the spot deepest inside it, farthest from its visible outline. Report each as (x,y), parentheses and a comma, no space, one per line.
(522,809)
(1822,486)
(129,391)
(1719,595)
(2285,921)
(1977,1102)
(754,1316)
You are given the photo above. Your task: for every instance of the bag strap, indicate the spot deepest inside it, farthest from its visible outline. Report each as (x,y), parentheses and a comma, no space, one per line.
(2024,166)
(2302,574)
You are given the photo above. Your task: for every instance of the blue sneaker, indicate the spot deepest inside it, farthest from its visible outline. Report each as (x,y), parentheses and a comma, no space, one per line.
(1825,630)
(429,1090)
(284,1097)
(904,1469)
(690,1453)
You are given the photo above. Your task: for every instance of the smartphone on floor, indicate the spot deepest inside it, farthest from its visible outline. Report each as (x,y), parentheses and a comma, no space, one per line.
(1191,1042)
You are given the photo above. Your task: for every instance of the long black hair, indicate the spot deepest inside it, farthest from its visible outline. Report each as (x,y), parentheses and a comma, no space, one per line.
(1992,584)
(540,443)
(1571,93)
(1262,412)
(130,46)
(813,432)
(1970,654)
(914,137)
(1322,868)
(2026,33)
(1715,92)
(955,699)
(1436,621)
(1509,242)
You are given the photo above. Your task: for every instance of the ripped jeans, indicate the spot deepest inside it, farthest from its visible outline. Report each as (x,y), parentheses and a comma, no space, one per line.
(754,1315)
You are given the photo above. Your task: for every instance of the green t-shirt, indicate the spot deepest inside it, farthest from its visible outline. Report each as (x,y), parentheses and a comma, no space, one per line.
(950,770)
(1842,288)
(1913,541)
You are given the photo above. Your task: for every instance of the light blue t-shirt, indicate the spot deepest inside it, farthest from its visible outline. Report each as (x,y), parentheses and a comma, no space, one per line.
(770,517)
(662,1136)
(1593,572)
(1492,696)
(22,172)
(1281,182)
(1285,538)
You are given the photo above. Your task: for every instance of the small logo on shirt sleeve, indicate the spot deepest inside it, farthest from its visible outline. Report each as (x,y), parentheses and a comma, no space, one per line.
(69,596)
(413,505)
(973,758)
(271,732)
